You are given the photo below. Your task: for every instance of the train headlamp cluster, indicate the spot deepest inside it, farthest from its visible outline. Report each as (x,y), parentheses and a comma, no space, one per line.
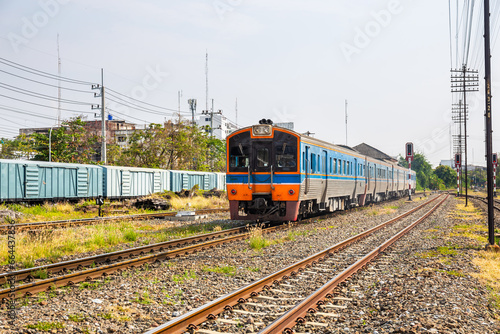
(261,130)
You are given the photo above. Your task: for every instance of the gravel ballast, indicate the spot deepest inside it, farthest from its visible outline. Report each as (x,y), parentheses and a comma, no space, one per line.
(407,291)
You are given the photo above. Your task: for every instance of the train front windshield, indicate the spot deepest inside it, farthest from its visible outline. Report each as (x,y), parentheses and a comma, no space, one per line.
(260,154)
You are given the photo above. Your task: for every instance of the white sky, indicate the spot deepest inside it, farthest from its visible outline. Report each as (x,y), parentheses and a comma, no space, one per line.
(283,60)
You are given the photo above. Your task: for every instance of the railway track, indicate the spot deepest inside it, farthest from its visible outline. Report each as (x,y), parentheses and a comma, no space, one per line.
(496,202)
(4,228)
(84,269)
(283,299)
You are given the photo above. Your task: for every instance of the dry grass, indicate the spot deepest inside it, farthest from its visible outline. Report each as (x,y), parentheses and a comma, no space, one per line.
(198,203)
(474,227)
(52,244)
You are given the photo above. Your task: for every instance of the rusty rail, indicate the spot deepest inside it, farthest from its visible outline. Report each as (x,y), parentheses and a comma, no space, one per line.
(190,320)
(118,255)
(88,274)
(285,323)
(86,221)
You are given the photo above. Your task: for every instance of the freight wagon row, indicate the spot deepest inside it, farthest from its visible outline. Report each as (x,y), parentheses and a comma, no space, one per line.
(39,181)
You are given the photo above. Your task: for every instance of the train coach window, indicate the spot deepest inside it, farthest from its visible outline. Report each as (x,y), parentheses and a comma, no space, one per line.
(344,171)
(335,166)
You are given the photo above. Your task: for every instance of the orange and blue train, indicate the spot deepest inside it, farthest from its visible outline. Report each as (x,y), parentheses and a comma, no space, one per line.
(277,174)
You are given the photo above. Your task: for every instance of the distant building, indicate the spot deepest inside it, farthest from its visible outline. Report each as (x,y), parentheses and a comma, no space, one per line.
(449,163)
(372,152)
(221,125)
(287,125)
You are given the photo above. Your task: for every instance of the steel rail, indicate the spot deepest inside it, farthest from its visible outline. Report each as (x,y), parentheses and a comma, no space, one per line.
(118,255)
(88,274)
(295,315)
(485,200)
(191,319)
(81,221)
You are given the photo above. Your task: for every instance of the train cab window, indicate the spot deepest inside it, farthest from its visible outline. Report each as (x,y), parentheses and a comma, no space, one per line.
(262,157)
(286,156)
(285,152)
(239,152)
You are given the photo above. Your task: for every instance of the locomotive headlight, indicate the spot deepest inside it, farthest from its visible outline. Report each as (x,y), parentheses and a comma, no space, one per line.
(233,191)
(291,191)
(261,130)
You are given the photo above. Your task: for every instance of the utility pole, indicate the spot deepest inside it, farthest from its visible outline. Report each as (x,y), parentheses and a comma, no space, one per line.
(466,81)
(457,118)
(206,80)
(487,116)
(103,121)
(103,116)
(345,122)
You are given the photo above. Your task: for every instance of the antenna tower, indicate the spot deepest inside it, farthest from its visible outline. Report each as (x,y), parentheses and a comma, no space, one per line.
(58,85)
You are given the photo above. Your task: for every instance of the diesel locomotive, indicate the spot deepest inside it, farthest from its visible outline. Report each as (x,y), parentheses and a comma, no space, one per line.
(280,175)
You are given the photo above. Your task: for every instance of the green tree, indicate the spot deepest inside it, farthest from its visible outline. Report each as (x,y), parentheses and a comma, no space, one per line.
(22,147)
(72,142)
(447,175)
(423,169)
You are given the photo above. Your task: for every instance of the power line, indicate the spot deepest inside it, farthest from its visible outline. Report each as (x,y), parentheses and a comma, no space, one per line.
(149,104)
(137,107)
(42,105)
(44,83)
(42,73)
(42,96)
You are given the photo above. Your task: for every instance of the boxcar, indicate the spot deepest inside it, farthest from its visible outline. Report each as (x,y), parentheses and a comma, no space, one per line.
(38,181)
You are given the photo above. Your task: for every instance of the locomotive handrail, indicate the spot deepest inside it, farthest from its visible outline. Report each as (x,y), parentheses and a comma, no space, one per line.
(249,177)
(272,186)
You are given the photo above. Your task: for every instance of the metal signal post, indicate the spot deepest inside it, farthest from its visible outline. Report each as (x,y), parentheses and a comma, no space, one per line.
(487,117)
(495,163)
(409,158)
(458,163)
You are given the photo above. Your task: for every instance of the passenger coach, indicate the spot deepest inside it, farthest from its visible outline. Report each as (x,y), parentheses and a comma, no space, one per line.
(277,174)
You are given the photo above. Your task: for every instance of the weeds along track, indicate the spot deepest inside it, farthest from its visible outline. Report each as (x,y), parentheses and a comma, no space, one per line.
(276,303)
(87,221)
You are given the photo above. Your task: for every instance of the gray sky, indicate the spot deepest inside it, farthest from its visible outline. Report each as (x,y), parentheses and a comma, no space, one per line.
(284,60)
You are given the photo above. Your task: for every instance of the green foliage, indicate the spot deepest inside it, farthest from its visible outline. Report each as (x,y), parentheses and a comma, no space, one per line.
(72,142)
(46,326)
(443,177)
(176,145)
(447,174)
(226,270)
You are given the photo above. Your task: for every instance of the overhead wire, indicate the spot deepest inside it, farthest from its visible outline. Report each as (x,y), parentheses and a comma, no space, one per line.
(45,106)
(149,104)
(42,96)
(42,73)
(46,84)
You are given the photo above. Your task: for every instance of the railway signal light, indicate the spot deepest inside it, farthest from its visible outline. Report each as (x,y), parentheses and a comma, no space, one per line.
(458,160)
(409,151)
(494,159)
